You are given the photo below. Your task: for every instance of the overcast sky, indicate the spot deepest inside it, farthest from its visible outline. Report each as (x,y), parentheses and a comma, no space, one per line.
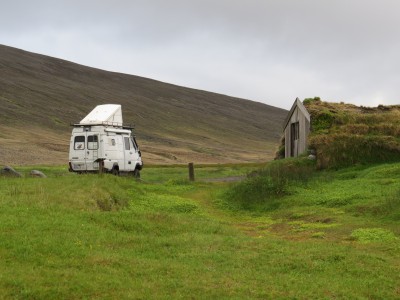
(270,51)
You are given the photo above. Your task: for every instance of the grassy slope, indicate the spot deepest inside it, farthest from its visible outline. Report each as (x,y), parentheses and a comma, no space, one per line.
(71,236)
(41,96)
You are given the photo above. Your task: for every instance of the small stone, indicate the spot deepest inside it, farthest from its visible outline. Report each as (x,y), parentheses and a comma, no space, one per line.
(312,157)
(36,173)
(9,172)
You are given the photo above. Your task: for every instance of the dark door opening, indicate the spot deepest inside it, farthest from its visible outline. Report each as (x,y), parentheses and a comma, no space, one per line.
(294,138)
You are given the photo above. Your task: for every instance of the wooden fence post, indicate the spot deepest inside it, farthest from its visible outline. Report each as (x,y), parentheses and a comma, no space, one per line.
(191,172)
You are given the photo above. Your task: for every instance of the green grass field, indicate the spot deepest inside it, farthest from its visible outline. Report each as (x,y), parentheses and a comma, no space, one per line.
(324,235)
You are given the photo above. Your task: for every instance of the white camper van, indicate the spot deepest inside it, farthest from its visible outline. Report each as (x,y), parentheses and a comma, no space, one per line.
(100,142)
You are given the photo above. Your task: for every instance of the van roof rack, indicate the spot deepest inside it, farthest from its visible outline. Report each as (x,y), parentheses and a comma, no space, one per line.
(112,124)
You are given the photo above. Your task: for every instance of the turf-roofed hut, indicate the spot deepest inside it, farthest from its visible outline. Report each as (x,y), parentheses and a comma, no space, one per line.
(342,134)
(296,130)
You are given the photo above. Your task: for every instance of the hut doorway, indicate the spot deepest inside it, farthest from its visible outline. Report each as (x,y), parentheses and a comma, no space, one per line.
(294,134)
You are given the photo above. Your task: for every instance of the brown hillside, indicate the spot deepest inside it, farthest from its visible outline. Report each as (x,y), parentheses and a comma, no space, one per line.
(40,96)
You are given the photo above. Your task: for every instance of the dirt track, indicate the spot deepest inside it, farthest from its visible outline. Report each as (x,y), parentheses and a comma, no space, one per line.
(224,179)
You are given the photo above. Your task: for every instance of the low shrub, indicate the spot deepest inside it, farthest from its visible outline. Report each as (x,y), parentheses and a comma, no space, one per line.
(322,120)
(307,101)
(265,187)
(280,153)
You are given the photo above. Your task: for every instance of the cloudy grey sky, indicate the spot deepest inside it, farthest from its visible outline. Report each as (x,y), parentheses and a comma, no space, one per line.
(270,51)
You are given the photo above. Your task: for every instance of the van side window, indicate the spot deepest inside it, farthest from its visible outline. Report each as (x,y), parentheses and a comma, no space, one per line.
(134,143)
(127,146)
(79,142)
(130,142)
(93,142)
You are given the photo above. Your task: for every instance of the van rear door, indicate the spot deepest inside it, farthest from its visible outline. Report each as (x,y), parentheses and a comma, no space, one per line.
(92,151)
(78,152)
(84,152)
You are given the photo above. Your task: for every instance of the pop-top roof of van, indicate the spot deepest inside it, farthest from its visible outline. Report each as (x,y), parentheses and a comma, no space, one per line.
(110,114)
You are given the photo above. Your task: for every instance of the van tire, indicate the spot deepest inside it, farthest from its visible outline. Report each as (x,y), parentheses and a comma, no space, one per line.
(115,171)
(136,173)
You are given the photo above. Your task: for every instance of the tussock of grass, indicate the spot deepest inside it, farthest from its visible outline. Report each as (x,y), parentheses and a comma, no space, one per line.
(369,235)
(264,187)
